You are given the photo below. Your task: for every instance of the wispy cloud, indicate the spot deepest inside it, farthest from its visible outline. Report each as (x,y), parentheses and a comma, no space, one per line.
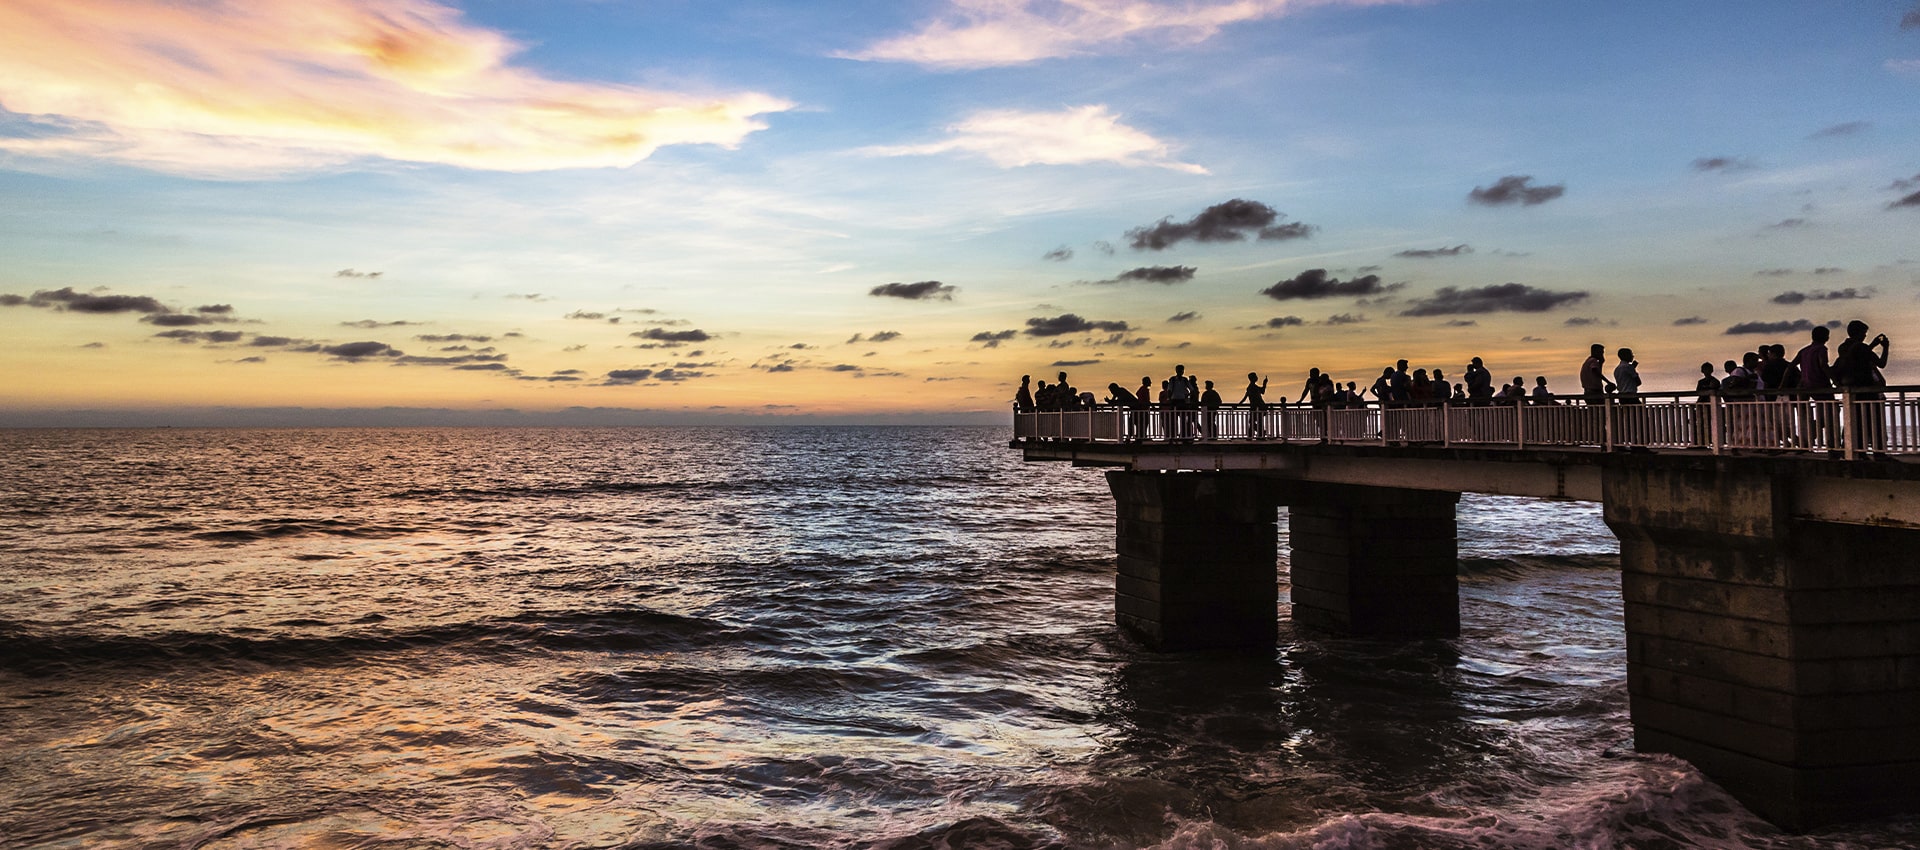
(1850,128)
(1432,253)
(242,89)
(1315,283)
(1076,136)
(991,33)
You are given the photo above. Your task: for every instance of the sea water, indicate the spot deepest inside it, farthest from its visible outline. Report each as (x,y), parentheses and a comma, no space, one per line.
(756,638)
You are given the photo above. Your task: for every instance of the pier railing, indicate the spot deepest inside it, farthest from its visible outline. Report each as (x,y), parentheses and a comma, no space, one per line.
(1847,423)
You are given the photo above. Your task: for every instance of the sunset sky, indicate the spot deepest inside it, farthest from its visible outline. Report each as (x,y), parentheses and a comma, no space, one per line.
(395,211)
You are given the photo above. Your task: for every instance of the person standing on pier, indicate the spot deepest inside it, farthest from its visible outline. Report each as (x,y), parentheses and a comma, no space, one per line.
(1210,407)
(1023,398)
(1141,416)
(1479,383)
(1820,423)
(1256,401)
(1593,377)
(1857,368)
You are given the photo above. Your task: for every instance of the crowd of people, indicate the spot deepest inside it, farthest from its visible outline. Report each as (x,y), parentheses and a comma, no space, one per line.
(1188,408)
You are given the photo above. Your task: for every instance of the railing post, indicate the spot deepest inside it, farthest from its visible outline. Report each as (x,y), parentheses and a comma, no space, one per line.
(1717,421)
(1520,424)
(1851,419)
(1446,425)
(1606,423)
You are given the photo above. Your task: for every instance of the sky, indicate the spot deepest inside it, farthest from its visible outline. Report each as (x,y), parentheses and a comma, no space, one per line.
(386,212)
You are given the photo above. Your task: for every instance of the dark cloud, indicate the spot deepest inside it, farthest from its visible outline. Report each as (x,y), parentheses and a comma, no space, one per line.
(992,339)
(1773,273)
(1910,20)
(1314,283)
(352,273)
(1795,326)
(1912,200)
(1850,128)
(1721,163)
(1848,294)
(1167,275)
(8,299)
(622,377)
(1345,319)
(95,345)
(482,367)
(1230,221)
(485,355)
(1069,323)
(676,375)
(1787,224)
(66,299)
(843,367)
(180,336)
(1460,323)
(926,290)
(1505,297)
(1066,363)
(1690,320)
(176,320)
(1285,322)
(1367,269)
(588,316)
(1588,322)
(272,341)
(1103,246)
(1514,189)
(452,338)
(1828,270)
(672,338)
(1904,185)
(800,346)
(1532,339)
(882,336)
(370,324)
(780,367)
(1058,255)
(357,351)
(1430,253)
(215,309)
(1182,317)
(254,359)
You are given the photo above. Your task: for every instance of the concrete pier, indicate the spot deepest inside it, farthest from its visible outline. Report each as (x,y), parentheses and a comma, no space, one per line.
(1772,603)
(1373,561)
(1196,560)
(1779,655)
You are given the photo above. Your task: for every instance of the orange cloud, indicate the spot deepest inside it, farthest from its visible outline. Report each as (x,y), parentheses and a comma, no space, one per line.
(235,87)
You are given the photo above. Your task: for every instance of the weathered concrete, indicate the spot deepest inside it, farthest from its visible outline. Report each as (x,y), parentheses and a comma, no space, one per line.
(1197,560)
(1780,655)
(1373,561)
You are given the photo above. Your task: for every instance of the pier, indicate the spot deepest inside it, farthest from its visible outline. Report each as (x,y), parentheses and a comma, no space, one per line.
(1770,556)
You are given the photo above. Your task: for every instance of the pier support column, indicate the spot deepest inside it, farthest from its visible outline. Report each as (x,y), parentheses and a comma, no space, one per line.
(1373,560)
(1781,656)
(1198,560)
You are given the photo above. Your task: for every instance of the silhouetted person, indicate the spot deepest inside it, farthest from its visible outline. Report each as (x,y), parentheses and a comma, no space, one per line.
(1141,414)
(1256,401)
(1542,395)
(1593,378)
(1705,389)
(1820,422)
(1626,377)
(1857,368)
(1210,405)
(1479,382)
(1023,398)
(1130,401)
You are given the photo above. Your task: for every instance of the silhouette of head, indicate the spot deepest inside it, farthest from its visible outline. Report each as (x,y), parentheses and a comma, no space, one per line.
(1822,334)
(1857,329)
(1598,350)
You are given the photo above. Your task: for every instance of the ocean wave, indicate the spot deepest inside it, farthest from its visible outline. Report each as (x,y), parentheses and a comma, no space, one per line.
(1522,566)
(41,652)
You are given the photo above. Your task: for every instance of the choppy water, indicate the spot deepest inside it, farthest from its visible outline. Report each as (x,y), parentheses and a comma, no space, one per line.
(733,638)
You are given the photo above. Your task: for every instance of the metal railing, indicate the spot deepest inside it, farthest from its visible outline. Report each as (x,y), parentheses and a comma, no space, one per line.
(1849,423)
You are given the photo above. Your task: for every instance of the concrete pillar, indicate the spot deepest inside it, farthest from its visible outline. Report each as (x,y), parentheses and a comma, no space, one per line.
(1198,561)
(1781,656)
(1373,560)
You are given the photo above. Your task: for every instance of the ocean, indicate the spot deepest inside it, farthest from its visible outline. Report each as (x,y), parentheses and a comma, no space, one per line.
(756,638)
